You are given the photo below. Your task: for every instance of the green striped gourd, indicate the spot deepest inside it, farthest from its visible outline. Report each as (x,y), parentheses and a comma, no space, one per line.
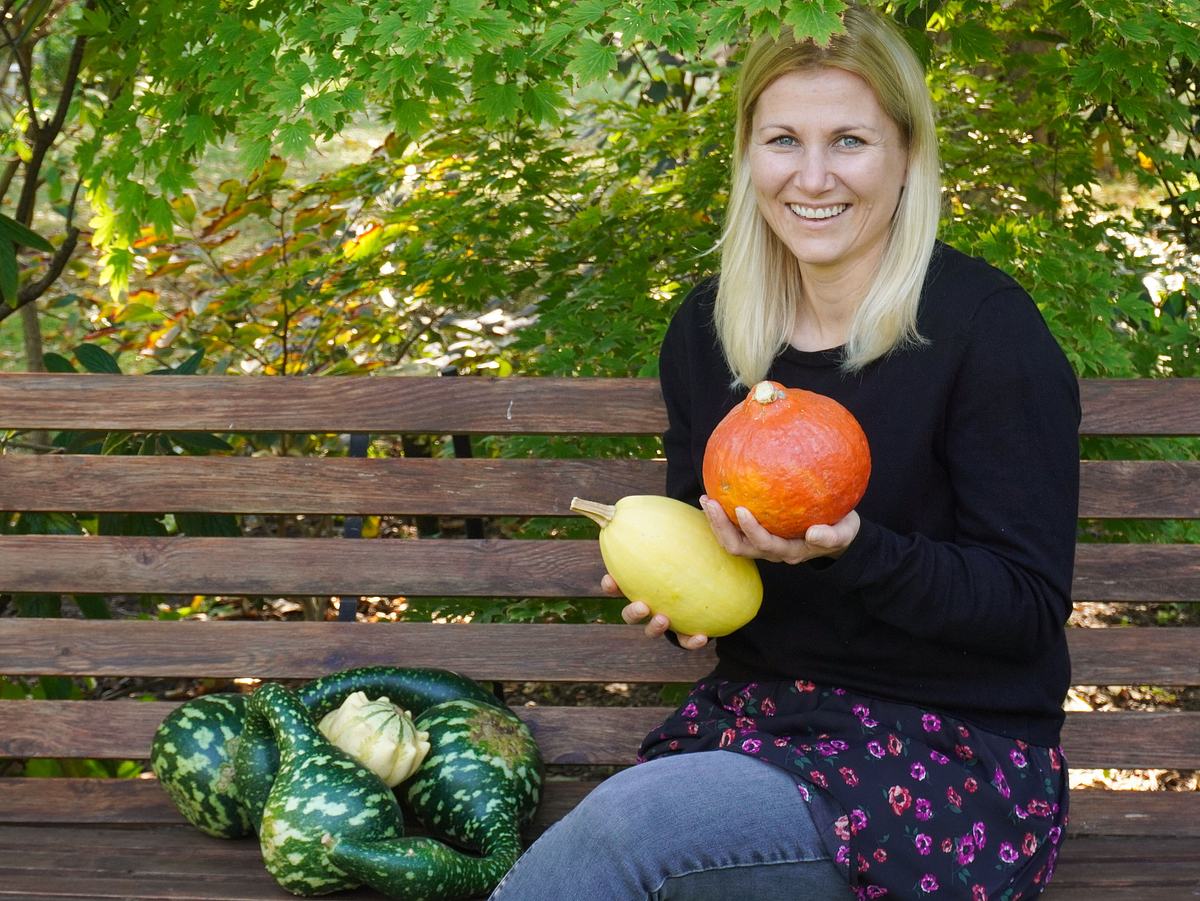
(193,757)
(478,786)
(320,795)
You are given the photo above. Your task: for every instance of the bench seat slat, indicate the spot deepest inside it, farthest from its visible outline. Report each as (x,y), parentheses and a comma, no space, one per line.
(64,858)
(566,735)
(1131,489)
(437,567)
(506,652)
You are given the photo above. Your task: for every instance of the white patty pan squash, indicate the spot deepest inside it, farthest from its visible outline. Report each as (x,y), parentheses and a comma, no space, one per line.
(663,553)
(377,734)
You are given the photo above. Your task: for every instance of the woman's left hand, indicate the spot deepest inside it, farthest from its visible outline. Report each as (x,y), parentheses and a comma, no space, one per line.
(747,538)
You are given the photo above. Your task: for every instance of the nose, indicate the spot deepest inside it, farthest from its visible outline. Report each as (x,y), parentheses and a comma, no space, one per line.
(813,175)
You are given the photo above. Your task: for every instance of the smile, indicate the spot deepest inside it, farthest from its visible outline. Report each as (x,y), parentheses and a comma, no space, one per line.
(818,212)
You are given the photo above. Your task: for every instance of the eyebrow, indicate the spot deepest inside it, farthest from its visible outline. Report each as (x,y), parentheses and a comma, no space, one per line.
(841,129)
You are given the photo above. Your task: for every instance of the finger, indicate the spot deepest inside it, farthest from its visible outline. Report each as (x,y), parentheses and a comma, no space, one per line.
(760,538)
(635,612)
(693,642)
(609,585)
(657,626)
(726,532)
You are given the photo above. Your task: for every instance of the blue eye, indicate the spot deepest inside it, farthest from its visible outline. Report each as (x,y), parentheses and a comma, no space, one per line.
(848,141)
(783,141)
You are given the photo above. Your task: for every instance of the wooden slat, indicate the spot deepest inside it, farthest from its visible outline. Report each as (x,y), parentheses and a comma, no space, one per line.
(1137,572)
(373,404)
(1139,489)
(432,567)
(1140,406)
(468,405)
(504,652)
(566,735)
(314,485)
(1133,489)
(82,802)
(174,861)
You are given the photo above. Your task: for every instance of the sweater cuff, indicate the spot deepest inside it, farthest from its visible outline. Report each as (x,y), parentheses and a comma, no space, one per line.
(845,573)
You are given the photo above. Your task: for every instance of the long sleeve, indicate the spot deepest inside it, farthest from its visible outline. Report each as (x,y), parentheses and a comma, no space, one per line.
(1002,584)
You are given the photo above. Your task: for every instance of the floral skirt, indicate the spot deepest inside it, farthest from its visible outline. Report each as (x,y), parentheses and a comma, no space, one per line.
(931,806)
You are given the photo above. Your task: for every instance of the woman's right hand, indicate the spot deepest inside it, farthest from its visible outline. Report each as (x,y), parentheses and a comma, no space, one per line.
(637,611)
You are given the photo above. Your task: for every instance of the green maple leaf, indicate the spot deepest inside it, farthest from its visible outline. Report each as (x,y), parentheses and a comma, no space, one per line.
(499,102)
(817,19)
(593,60)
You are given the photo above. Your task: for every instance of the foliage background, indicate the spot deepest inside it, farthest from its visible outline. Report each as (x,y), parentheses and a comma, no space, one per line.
(513,187)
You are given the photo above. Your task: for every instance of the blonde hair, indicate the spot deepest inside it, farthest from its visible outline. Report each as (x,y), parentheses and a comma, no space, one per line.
(759,290)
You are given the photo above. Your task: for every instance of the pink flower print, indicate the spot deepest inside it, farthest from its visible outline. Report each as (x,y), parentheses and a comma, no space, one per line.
(1022,745)
(819,778)
(923,810)
(979,834)
(923,843)
(831,748)
(1054,835)
(876,891)
(938,757)
(1029,845)
(843,854)
(929,883)
(953,797)
(858,820)
(1008,853)
(1001,784)
(875,749)
(693,728)
(917,771)
(970,785)
(863,864)
(1039,808)
(804,687)
(727,738)
(947,846)
(900,799)
(1019,812)
(839,691)
(1018,759)
(841,828)
(860,710)
(780,742)
(963,732)
(849,776)
(880,855)
(895,746)
(744,724)
(965,853)
(752,746)
(930,722)
(804,792)
(690,710)
(978,893)
(1055,762)
(673,744)
(736,703)
(767,707)
(964,752)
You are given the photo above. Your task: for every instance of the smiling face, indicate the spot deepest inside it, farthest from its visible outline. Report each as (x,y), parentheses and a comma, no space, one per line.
(828,165)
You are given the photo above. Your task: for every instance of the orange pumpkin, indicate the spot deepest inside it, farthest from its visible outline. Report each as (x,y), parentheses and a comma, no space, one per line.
(791,457)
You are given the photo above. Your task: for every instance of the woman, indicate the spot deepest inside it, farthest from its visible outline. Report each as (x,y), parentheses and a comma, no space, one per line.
(893,711)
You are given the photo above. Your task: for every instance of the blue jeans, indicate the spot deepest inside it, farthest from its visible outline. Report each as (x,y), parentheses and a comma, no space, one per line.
(706,826)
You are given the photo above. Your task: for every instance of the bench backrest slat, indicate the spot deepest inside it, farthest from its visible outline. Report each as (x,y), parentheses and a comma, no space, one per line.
(534,406)
(435,567)
(566,735)
(484,651)
(1110,489)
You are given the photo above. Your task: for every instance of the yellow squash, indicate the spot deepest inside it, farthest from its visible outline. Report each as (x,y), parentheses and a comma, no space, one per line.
(663,553)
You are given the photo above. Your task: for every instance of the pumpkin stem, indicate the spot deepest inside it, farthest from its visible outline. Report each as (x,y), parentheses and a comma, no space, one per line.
(766,392)
(600,514)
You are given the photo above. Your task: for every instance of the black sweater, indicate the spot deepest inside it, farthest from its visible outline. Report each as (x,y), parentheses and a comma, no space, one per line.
(955,592)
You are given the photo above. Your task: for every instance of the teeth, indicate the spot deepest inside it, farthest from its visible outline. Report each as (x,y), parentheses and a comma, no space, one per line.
(809,212)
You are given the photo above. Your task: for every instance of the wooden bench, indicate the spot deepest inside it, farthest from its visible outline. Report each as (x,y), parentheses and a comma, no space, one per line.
(121,838)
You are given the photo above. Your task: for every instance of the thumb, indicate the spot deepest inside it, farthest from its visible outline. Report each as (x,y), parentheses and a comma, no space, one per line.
(821,536)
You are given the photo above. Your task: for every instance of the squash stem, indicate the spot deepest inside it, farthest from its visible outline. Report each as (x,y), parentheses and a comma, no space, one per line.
(601,514)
